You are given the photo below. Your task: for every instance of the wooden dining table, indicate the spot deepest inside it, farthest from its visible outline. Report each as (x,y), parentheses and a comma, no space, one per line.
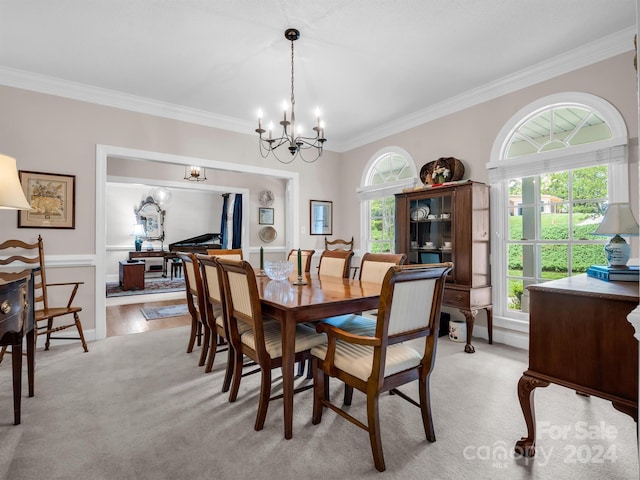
(320,298)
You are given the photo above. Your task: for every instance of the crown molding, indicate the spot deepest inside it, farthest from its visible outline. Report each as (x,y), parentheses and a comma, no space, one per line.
(589,54)
(11,77)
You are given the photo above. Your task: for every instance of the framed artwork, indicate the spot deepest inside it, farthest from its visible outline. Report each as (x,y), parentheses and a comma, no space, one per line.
(321,217)
(52,198)
(265,216)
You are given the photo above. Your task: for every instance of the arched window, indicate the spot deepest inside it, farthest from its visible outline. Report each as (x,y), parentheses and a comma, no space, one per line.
(554,166)
(387,173)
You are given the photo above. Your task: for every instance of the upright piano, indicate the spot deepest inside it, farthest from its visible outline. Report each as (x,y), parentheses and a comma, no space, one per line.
(197,244)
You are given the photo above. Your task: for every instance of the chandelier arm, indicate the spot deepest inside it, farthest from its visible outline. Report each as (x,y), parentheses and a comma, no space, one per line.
(286,162)
(301,154)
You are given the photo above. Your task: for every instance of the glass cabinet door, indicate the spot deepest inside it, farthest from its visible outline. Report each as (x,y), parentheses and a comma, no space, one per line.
(431,235)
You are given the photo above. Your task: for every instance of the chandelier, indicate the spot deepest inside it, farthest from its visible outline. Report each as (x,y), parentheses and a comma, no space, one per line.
(195,174)
(292,135)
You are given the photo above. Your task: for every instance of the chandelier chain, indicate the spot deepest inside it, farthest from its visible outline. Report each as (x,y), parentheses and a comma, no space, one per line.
(293,98)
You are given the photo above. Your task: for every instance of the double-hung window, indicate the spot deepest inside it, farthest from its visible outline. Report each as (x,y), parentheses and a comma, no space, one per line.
(554,168)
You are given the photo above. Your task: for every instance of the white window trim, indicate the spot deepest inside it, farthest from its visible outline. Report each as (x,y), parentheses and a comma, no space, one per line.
(613,151)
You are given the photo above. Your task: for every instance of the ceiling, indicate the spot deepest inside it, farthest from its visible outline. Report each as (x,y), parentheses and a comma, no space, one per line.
(373,67)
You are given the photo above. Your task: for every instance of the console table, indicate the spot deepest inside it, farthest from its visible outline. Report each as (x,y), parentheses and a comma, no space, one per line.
(16,321)
(154,254)
(579,338)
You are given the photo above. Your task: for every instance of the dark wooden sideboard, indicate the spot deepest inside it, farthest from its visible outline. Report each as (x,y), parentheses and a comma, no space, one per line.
(579,337)
(16,321)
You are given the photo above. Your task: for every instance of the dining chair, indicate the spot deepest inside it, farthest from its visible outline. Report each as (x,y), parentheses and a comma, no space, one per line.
(215,311)
(374,357)
(46,315)
(262,342)
(338,244)
(195,303)
(335,263)
(216,316)
(306,258)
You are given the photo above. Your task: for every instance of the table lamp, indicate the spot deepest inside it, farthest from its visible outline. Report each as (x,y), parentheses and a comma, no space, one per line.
(138,232)
(618,220)
(11,193)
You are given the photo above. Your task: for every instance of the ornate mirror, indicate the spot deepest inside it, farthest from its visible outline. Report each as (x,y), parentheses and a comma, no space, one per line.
(151,216)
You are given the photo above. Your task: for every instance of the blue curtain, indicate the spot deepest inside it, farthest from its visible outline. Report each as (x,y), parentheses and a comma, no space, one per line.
(237,222)
(223,222)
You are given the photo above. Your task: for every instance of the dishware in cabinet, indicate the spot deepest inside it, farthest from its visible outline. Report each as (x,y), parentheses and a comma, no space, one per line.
(451,223)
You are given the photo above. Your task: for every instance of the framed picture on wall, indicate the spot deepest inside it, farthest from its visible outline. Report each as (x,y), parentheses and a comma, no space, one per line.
(52,198)
(265,216)
(321,217)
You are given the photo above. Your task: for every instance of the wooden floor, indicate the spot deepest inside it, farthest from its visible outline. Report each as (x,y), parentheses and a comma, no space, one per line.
(126,319)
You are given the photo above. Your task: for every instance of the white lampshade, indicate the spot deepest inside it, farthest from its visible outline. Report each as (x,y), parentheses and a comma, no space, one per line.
(11,194)
(618,220)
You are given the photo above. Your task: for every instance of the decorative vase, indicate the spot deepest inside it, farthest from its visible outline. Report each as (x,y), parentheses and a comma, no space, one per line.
(458,331)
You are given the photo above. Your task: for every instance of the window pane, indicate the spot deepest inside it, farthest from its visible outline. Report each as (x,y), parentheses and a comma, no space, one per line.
(590,183)
(554,260)
(516,223)
(583,256)
(514,294)
(555,226)
(586,218)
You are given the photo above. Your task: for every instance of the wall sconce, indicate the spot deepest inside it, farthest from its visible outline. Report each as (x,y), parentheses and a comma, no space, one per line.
(139,233)
(195,174)
(618,220)
(11,193)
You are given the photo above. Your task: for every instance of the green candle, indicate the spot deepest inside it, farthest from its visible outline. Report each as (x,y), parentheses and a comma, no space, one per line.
(299,263)
(261,258)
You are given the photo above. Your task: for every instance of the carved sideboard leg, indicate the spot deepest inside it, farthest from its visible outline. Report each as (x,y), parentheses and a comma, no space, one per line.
(526,386)
(470,316)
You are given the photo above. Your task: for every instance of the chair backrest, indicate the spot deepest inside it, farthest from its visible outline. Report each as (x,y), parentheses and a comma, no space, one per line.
(306,258)
(374,266)
(234,253)
(338,244)
(410,305)
(242,301)
(335,263)
(212,291)
(31,254)
(193,284)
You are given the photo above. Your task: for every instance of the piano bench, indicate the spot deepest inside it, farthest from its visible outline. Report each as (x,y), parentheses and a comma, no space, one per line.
(176,268)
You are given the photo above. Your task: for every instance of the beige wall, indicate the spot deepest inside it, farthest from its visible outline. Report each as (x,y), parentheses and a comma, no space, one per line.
(53,134)
(469,134)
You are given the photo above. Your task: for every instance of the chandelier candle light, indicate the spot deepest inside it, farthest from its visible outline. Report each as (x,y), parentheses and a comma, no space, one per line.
(291,133)
(618,220)
(195,174)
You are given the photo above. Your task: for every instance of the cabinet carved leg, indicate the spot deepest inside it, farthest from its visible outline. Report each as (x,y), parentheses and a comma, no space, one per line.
(526,446)
(490,323)
(470,316)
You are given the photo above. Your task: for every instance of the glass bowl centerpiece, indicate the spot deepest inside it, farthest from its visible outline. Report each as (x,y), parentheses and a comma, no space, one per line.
(278,270)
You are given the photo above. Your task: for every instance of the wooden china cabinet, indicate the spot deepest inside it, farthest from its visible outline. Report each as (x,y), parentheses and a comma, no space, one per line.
(451,223)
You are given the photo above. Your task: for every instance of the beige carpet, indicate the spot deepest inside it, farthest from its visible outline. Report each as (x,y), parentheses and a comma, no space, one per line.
(139,407)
